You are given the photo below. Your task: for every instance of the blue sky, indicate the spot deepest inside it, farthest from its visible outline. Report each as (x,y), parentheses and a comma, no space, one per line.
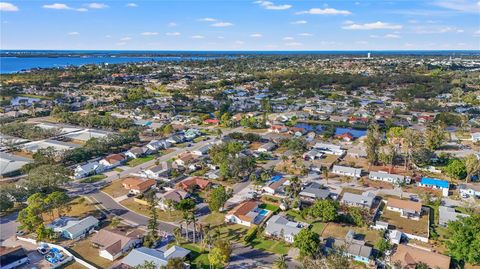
(241,25)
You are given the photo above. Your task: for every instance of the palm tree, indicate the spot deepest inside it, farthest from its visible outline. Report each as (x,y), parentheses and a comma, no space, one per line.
(325,173)
(411,141)
(280,262)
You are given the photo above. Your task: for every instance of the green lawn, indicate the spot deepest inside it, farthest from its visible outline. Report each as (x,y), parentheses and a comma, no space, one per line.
(275,246)
(137,161)
(94,178)
(270,207)
(199,258)
(172,216)
(214,219)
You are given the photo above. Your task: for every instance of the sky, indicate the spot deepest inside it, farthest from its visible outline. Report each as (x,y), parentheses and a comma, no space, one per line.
(241,25)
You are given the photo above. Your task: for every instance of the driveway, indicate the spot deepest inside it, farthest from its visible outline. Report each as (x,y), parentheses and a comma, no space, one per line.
(8,227)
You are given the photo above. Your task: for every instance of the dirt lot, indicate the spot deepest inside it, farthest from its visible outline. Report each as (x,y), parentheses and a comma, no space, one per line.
(405,225)
(337,230)
(115,189)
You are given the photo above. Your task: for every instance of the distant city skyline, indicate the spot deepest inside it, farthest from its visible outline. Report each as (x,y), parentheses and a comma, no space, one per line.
(241,25)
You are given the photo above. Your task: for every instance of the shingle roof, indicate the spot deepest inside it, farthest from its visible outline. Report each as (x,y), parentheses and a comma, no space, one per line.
(404,204)
(410,256)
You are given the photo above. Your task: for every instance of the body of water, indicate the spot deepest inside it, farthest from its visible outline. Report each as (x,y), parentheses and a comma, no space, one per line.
(338,130)
(12,61)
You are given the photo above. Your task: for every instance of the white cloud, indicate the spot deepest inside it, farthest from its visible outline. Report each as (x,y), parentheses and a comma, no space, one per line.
(388,36)
(256,35)
(57,6)
(131,5)
(476,33)
(220,37)
(172,24)
(4,6)
(173,34)
(299,22)
(96,5)
(127,38)
(437,29)
(198,37)
(467,6)
(239,42)
(82,9)
(305,34)
(326,11)
(361,42)
(372,26)
(149,33)
(288,38)
(293,44)
(208,19)
(73,33)
(221,24)
(272,6)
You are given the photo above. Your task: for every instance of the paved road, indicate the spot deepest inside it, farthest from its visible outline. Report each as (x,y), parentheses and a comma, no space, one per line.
(247,257)
(8,226)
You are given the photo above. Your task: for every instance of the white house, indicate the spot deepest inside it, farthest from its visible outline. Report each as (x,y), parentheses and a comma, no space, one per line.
(137,152)
(329,149)
(112,243)
(160,171)
(247,214)
(279,226)
(476,137)
(202,151)
(87,169)
(407,209)
(469,190)
(387,177)
(113,160)
(347,171)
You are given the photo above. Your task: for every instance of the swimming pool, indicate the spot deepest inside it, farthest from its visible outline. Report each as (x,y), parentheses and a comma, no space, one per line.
(263,212)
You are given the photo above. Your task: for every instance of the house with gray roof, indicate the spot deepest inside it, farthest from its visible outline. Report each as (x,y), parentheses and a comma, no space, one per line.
(387,177)
(365,200)
(11,165)
(160,257)
(58,146)
(447,214)
(351,247)
(72,228)
(267,147)
(313,192)
(347,171)
(280,226)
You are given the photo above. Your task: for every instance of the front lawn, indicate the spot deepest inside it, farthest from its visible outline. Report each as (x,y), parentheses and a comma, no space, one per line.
(199,258)
(214,219)
(115,189)
(172,216)
(87,252)
(93,179)
(138,161)
(275,246)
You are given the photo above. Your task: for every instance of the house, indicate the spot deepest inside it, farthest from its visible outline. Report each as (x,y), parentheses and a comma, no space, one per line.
(137,152)
(447,214)
(347,171)
(387,177)
(211,121)
(409,257)
(365,200)
(329,149)
(191,133)
(247,214)
(72,228)
(113,160)
(312,154)
(13,257)
(408,209)
(279,226)
(469,190)
(202,151)
(87,169)
(185,159)
(170,198)
(159,257)
(267,147)
(175,139)
(297,131)
(159,171)
(86,134)
(277,129)
(193,183)
(11,165)
(137,185)
(351,247)
(434,183)
(345,137)
(314,191)
(113,243)
(156,145)
(276,185)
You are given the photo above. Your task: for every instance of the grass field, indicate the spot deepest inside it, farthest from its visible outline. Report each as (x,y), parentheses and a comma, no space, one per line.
(338,230)
(94,178)
(199,258)
(144,210)
(90,254)
(137,161)
(405,225)
(115,189)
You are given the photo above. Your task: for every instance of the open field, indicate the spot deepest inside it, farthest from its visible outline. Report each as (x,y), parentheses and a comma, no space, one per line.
(405,225)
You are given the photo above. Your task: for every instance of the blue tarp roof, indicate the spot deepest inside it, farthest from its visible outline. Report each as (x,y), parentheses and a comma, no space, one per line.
(276,178)
(435,182)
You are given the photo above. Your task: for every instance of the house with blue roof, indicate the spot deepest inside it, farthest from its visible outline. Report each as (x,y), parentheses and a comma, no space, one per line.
(434,183)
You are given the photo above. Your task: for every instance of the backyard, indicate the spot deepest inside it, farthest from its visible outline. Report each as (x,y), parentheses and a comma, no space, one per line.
(405,225)
(87,252)
(137,161)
